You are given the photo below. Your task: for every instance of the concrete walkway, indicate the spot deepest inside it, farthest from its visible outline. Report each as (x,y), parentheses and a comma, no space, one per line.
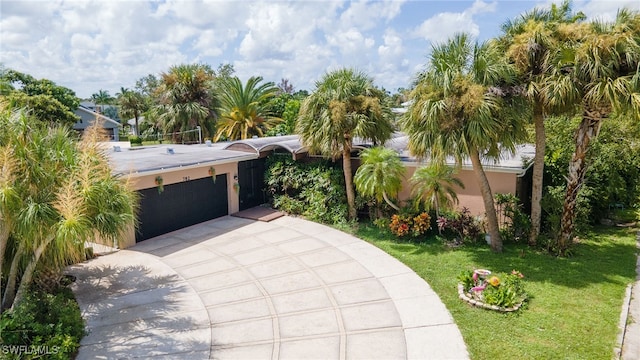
(233,288)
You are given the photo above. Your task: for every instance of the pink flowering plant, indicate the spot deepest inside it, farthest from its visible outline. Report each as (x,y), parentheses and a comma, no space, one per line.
(480,287)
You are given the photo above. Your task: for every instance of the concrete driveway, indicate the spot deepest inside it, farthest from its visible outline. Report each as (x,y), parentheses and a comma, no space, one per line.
(233,288)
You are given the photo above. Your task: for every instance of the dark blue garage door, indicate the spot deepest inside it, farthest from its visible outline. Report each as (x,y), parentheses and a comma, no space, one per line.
(181,205)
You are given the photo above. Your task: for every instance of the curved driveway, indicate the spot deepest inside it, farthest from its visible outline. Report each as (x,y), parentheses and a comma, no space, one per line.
(233,288)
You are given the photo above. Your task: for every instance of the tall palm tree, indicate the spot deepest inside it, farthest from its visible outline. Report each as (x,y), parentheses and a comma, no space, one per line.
(243,109)
(380,174)
(435,186)
(529,42)
(344,105)
(55,194)
(101,98)
(132,104)
(601,70)
(187,100)
(457,110)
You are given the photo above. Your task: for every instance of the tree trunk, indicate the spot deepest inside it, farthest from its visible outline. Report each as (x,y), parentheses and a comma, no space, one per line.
(12,278)
(386,198)
(137,129)
(4,238)
(587,131)
(537,180)
(27,275)
(487,198)
(348,181)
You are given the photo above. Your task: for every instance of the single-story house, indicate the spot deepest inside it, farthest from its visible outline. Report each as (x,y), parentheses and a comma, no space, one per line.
(177,188)
(88,117)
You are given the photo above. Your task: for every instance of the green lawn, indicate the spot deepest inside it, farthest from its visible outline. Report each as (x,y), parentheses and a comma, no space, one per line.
(574,305)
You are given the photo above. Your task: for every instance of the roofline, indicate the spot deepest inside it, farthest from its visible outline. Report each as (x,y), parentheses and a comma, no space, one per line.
(141,173)
(105,118)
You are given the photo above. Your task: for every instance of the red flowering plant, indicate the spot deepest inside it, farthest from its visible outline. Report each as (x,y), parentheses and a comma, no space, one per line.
(481,288)
(402,225)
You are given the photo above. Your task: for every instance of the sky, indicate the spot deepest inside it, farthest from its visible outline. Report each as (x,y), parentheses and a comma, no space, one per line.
(92,45)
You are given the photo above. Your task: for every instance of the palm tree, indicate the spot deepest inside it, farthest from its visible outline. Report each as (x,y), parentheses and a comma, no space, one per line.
(243,110)
(344,105)
(380,174)
(132,104)
(457,110)
(601,70)
(434,186)
(529,42)
(55,194)
(102,98)
(187,100)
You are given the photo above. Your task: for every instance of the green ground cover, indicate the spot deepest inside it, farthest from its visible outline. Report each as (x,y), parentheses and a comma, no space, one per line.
(574,304)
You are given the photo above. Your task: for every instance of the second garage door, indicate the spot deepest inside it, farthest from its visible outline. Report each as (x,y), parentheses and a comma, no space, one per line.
(181,205)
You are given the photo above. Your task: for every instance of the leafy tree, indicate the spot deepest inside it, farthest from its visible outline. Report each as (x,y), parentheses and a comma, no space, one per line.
(344,105)
(434,186)
(55,194)
(599,70)
(289,116)
(457,110)
(147,85)
(529,43)
(243,111)
(186,99)
(380,174)
(47,101)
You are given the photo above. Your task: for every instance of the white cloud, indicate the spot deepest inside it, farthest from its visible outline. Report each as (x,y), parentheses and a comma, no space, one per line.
(605,10)
(442,26)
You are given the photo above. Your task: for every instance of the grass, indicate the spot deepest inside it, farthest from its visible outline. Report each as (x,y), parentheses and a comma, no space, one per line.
(574,305)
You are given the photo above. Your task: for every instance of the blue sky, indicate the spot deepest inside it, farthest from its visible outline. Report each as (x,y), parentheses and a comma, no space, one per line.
(92,45)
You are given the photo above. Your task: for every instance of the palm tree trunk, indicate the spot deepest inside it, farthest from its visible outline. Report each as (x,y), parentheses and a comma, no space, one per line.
(587,131)
(386,198)
(27,275)
(538,172)
(348,181)
(12,278)
(487,198)
(137,130)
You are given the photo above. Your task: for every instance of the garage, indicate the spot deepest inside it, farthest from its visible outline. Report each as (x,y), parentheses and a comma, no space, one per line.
(180,205)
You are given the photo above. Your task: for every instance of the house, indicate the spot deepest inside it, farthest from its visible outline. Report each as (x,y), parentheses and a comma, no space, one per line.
(182,185)
(88,117)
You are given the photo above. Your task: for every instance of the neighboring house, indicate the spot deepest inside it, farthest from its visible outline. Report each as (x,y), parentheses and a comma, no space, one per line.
(190,195)
(88,117)
(132,125)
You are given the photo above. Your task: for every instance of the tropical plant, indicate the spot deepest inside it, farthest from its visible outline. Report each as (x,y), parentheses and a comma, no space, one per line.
(344,105)
(55,195)
(529,41)
(457,109)
(101,98)
(380,174)
(600,69)
(186,99)
(132,105)
(435,187)
(243,109)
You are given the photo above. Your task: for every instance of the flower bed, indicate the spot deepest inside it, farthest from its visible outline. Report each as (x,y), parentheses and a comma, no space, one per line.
(478,289)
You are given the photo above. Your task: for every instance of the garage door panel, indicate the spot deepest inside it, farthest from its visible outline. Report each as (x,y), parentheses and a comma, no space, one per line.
(181,205)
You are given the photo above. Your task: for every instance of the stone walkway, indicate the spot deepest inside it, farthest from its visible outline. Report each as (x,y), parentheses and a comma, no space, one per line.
(233,288)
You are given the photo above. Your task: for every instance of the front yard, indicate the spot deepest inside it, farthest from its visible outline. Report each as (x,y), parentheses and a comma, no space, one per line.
(574,303)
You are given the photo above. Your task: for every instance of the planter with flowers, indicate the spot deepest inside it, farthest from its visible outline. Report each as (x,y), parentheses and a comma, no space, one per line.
(481,288)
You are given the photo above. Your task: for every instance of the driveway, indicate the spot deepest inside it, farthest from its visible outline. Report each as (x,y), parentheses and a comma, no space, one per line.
(234,288)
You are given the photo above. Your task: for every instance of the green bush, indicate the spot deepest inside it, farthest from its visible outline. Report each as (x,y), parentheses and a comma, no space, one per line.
(135,140)
(315,190)
(47,322)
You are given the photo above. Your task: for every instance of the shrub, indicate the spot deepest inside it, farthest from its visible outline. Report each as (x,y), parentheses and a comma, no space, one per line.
(315,190)
(462,225)
(407,224)
(49,321)
(135,140)
(514,223)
